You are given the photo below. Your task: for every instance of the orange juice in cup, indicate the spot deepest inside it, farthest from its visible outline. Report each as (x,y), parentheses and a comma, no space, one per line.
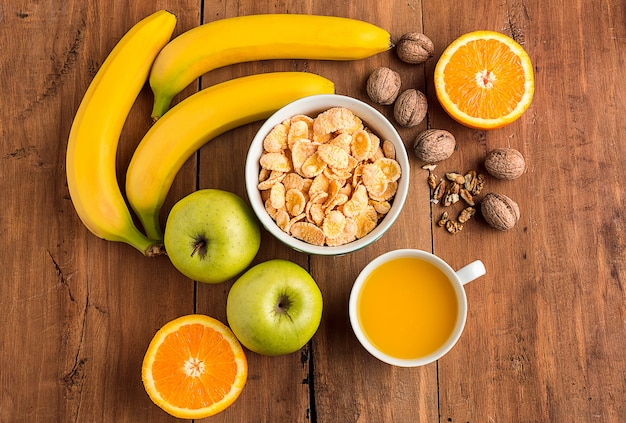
(408,307)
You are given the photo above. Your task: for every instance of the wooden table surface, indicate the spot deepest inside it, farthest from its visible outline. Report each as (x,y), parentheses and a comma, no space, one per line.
(546,327)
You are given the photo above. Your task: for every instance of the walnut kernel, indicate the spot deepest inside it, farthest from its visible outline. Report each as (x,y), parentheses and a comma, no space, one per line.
(415,48)
(383,86)
(410,108)
(434,145)
(454,227)
(505,163)
(443,219)
(467,197)
(466,214)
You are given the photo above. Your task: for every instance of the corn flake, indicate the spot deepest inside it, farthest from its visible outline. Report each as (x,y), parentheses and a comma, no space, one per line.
(319,184)
(336,119)
(334,156)
(374,180)
(270,210)
(283,219)
(357,203)
(346,190)
(339,200)
(315,213)
(298,130)
(381,207)
(322,138)
(304,118)
(319,197)
(333,224)
(308,232)
(361,145)
(313,166)
(390,168)
(347,235)
(275,176)
(295,202)
(366,221)
(334,173)
(302,149)
(333,190)
(276,139)
(264,174)
(275,161)
(297,218)
(390,192)
(294,181)
(342,141)
(277,196)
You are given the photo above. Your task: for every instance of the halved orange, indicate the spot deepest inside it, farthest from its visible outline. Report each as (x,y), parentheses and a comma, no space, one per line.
(484,80)
(194,367)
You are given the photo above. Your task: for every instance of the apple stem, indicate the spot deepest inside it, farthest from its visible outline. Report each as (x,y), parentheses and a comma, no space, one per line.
(198,246)
(283,305)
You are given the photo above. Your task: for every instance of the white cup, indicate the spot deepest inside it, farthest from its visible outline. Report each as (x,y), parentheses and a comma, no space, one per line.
(457,280)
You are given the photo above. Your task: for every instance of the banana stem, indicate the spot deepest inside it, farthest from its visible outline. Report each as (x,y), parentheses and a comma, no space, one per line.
(148,247)
(151,226)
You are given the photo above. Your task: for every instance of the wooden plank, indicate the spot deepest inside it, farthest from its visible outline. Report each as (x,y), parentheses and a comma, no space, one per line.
(79,311)
(377,392)
(221,165)
(536,347)
(327,366)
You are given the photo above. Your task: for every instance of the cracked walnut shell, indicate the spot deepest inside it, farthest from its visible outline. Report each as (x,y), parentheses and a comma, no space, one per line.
(499,211)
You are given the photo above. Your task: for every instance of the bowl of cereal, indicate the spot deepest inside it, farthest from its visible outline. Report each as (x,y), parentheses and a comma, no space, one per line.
(327,174)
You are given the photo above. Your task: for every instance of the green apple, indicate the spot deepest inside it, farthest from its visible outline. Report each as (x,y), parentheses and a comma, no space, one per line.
(274,308)
(211,235)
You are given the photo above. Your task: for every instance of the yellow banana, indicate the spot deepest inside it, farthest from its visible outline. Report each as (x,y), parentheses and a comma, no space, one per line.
(196,120)
(96,129)
(259,37)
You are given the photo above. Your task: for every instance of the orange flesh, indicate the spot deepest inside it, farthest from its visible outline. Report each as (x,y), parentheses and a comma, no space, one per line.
(194,367)
(485,78)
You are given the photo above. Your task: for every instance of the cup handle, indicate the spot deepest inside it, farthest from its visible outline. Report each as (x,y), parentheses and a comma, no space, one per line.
(470,272)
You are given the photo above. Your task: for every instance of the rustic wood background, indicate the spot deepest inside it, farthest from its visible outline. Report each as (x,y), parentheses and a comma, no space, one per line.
(546,328)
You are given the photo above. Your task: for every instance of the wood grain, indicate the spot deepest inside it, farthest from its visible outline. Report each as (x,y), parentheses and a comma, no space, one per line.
(546,326)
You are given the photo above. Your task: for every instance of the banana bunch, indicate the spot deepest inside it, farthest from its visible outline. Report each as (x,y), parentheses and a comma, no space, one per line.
(146,53)
(96,129)
(259,37)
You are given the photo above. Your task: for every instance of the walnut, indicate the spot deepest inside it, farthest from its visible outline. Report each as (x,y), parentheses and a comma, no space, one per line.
(505,163)
(434,145)
(415,48)
(383,86)
(499,211)
(410,108)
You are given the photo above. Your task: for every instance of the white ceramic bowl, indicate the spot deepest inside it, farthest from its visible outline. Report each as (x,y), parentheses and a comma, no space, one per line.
(312,106)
